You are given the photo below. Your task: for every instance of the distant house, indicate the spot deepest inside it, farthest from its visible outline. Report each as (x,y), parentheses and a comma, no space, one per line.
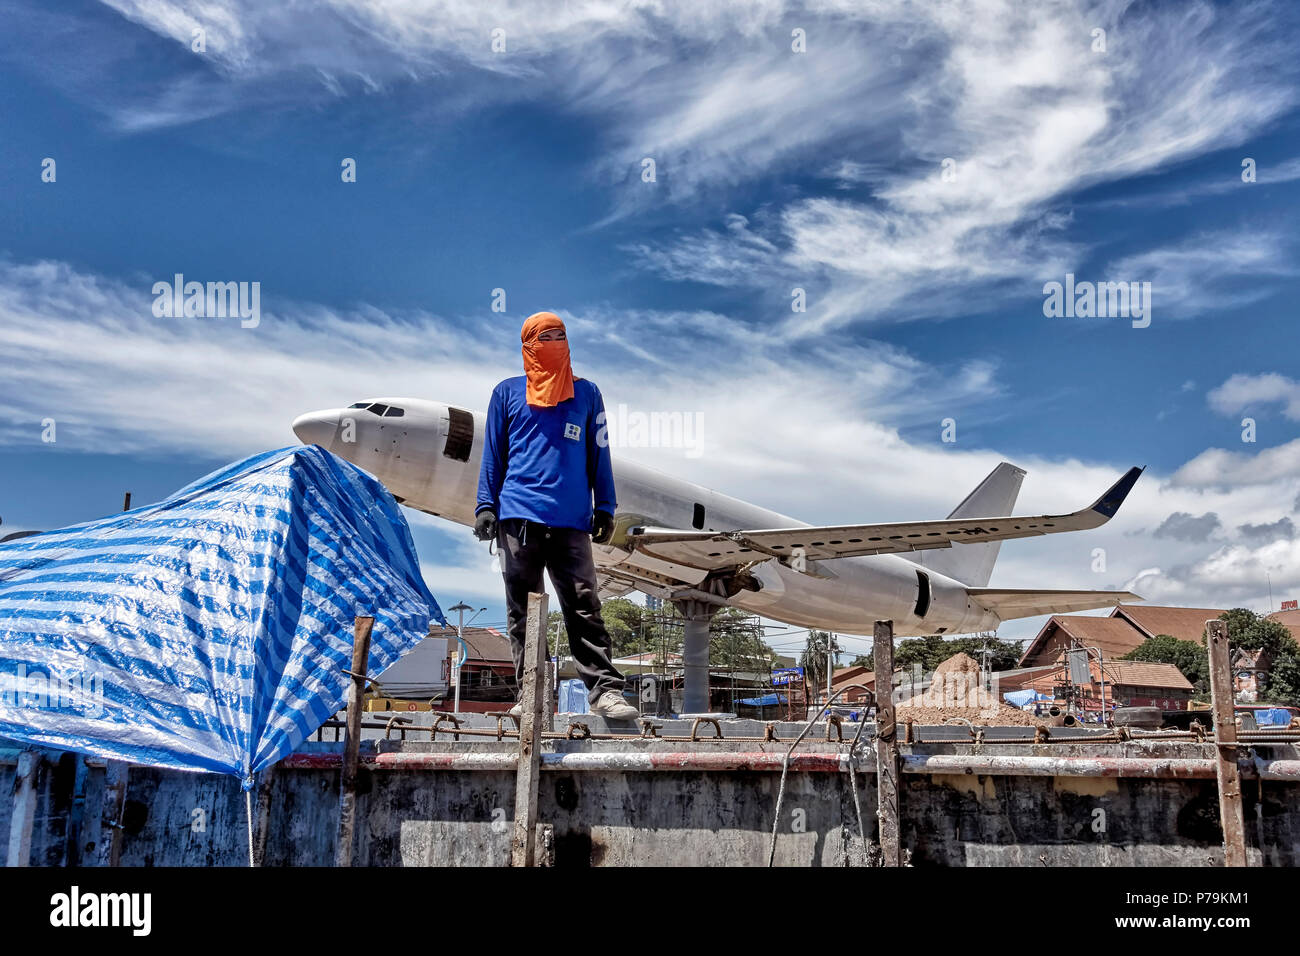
(1019,678)
(1127,684)
(1113,636)
(844,679)
(1127,627)
(649,662)
(1184,623)
(487,675)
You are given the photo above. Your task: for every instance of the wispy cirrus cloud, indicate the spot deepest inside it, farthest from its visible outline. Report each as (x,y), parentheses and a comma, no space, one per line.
(1210,271)
(1021,114)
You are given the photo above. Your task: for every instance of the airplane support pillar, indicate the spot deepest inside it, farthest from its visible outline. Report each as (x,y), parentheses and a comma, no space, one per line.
(695,655)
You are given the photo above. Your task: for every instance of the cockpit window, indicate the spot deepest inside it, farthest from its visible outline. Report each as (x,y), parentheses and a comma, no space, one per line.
(384,411)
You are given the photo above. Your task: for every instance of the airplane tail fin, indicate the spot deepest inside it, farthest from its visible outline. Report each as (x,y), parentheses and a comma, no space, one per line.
(972,564)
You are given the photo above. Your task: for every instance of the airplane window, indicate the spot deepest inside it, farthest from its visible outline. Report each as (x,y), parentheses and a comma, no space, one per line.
(394,412)
(360,405)
(378,409)
(697,518)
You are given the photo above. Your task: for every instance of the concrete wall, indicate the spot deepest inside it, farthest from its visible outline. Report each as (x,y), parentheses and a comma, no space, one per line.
(710,818)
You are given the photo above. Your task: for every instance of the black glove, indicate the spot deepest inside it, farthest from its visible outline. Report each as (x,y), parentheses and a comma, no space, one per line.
(602,526)
(485,525)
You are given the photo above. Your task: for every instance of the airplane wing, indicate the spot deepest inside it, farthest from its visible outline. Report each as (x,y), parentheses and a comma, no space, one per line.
(612,585)
(715,550)
(1011,603)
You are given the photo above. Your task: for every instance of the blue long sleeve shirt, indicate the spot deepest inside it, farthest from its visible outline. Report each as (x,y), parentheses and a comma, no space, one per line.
(546,464)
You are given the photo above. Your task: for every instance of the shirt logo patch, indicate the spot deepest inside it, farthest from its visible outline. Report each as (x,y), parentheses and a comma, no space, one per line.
(572,431)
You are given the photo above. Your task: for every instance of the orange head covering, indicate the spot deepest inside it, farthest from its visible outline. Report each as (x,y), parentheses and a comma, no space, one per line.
(550,379)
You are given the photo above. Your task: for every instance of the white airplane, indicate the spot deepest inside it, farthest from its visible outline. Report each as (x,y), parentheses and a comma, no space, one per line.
(682,542)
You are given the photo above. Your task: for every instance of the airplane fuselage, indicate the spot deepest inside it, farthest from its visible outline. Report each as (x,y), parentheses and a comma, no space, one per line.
(429,457)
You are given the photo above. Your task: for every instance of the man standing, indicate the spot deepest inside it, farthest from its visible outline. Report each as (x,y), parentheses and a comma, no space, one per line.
(544,458)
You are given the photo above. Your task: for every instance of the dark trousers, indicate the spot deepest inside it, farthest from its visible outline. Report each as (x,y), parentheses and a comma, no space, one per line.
(528,549)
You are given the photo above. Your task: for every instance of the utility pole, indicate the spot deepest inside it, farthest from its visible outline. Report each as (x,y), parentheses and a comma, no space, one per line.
(830,664)
(462,652)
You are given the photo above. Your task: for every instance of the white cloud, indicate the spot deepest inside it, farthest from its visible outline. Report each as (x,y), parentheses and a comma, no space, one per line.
(1209,271)
(1027,114)
(1242,392)
(1217,468)
(779,420)
(887,91)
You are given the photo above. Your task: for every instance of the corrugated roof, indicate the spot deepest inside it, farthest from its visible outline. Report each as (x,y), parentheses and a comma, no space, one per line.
(1020,677)
(1184,623)
(1146,674)
(1290,618)
(485,643)
(1114,637)
(853,673)
(1123,674)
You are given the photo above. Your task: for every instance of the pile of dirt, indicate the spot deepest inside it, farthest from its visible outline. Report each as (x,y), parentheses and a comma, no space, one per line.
(956,691)
(959,663)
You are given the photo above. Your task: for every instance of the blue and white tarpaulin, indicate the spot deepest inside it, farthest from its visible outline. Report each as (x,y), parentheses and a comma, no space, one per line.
(209,631)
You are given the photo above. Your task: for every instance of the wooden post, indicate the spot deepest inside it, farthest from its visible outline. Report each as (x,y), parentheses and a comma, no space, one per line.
(24,815)
(886,745)
(352,740)
(1231,815)
(116,774)
(548,709)
(523,848)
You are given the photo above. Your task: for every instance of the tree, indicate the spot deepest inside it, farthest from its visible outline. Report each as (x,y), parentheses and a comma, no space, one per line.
(1251,631)
(1190,657)
(926,652)
(864,660)
(813,660)
(931,651)
(736,641)
(624,621)
(1282,685)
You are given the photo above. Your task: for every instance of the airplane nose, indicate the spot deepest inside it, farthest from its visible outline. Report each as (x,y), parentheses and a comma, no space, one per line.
(316,428)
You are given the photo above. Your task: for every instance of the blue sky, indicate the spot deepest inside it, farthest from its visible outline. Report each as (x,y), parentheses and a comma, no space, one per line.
(775,169)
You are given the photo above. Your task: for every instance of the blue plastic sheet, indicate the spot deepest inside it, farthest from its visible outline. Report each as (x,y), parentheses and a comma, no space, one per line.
(209,631)
(1019,698)
(1272,717)
(573,697)
(767,700)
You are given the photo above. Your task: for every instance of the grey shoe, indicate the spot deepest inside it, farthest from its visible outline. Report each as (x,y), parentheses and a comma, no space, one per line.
(612,706)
